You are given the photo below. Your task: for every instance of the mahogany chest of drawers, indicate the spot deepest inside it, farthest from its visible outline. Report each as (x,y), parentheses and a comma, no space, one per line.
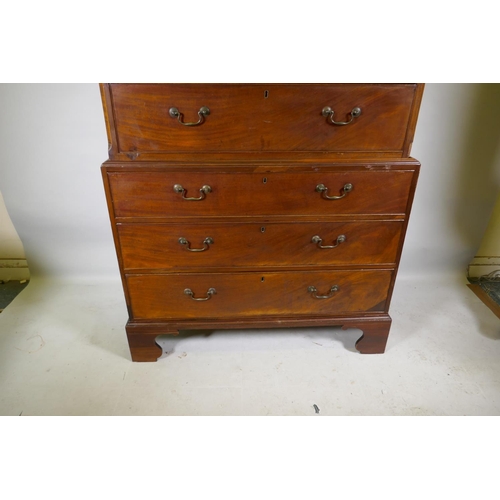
(256,206)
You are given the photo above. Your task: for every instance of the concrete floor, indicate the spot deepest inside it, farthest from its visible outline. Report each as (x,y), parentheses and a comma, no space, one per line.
(63,351)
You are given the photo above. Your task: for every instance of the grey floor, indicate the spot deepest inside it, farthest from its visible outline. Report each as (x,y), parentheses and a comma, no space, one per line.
(9,290)
(63,351)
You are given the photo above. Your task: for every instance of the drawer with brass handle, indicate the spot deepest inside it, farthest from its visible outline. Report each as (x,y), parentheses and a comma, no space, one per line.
(198,194)
(225,295)
(264,244)
(151,120)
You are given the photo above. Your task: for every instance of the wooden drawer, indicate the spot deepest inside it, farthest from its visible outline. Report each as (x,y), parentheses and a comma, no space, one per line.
(260,118)
(257,294)
(153,195)
(157,246)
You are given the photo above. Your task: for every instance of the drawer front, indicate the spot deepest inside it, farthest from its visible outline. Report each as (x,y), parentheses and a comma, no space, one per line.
(161,194)
(261,117)
(257,294)
(176,246)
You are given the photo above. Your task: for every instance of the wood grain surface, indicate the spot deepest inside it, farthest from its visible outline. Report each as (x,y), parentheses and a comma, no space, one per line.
(263,150)
(156,246)
(161,296)
(151,194)
(246,118)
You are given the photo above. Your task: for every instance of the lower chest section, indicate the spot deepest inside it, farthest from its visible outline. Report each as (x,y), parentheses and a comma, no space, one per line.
(221,242)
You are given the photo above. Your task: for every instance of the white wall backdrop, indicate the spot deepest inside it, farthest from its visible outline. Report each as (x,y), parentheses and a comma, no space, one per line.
(458,143)
(53,141)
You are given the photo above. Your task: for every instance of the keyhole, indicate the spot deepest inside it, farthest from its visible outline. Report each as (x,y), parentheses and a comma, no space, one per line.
(262,229)
(264,180)
(262,279)
(266,94)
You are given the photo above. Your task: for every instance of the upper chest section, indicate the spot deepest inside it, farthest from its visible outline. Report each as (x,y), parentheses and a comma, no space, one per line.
(156,121)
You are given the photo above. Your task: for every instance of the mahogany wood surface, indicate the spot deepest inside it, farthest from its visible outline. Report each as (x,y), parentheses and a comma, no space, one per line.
(409,204)
(259,117)
(375,335)
(262,150)
(259,244)
(142,335)
(151,194)
(161,296)
(410,131)
(142,344)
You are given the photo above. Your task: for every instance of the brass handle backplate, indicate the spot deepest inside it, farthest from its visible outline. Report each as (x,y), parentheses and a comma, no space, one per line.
(314,292)
(206,242)
(318,240)
(210,292)
(175,113)
(204,190)
(321,188)
(328,112)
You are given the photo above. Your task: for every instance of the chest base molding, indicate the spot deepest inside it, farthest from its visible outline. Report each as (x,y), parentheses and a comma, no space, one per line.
(142,334)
